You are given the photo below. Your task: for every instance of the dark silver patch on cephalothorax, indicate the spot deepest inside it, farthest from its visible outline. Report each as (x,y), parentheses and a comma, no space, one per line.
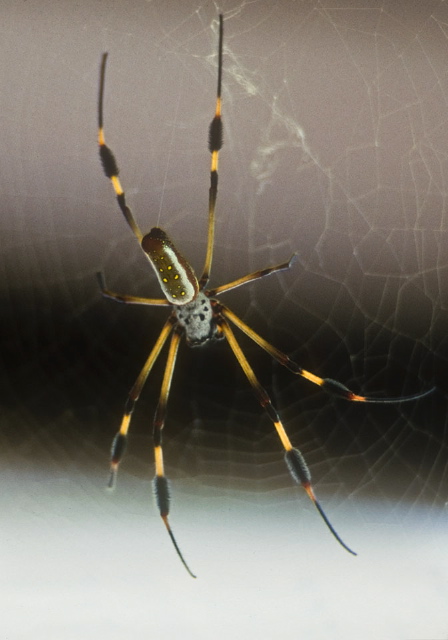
(197,319)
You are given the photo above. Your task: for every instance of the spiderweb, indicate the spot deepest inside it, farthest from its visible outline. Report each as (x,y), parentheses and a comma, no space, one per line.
(335,147)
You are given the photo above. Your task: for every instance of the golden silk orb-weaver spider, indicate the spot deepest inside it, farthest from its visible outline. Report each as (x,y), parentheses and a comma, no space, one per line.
(201,318)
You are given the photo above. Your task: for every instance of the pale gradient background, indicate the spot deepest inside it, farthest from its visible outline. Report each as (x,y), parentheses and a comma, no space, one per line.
(336,146)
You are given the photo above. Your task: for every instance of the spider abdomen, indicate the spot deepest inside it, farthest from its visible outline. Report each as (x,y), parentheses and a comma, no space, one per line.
(197,320)
(177,279)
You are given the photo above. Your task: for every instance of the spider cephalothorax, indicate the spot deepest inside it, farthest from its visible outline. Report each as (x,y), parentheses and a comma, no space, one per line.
(197,320)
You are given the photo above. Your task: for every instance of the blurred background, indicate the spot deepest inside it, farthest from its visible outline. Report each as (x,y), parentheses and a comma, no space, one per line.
(335,147)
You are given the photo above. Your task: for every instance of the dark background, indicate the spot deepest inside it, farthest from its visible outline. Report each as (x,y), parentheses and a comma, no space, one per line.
(336,138)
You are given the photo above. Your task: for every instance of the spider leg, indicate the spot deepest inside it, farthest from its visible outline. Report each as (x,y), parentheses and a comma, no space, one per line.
(330,386)
(256,275)
(293,457)
(106,293)
(214,145)
(119,442)
(161,484)
(108,161)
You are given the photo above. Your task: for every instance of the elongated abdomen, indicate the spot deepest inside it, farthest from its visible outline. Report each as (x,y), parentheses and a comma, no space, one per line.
(177,279)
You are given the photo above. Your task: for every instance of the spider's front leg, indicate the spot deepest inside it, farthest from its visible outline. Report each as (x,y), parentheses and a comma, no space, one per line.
(161,483)
(330,386)
(293,457)
(120,440)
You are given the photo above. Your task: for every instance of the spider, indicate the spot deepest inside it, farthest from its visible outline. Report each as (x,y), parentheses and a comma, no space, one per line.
(201,318)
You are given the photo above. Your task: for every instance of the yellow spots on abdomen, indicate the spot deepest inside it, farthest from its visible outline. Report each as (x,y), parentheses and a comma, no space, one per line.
(176,277)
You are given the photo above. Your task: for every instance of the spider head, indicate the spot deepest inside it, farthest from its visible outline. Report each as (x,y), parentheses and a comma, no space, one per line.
(197,319)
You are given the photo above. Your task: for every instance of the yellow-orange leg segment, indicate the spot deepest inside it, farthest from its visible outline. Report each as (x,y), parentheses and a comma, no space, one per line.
(119,442)
(256,275)
(214,145)
(119,297)
(161,484)
(108,161)
(294,459)
(330,386)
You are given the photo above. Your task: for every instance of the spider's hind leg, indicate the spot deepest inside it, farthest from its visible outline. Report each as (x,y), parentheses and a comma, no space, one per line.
(108,161)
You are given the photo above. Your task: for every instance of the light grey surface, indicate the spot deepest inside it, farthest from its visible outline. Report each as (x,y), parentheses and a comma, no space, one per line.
(80,563)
